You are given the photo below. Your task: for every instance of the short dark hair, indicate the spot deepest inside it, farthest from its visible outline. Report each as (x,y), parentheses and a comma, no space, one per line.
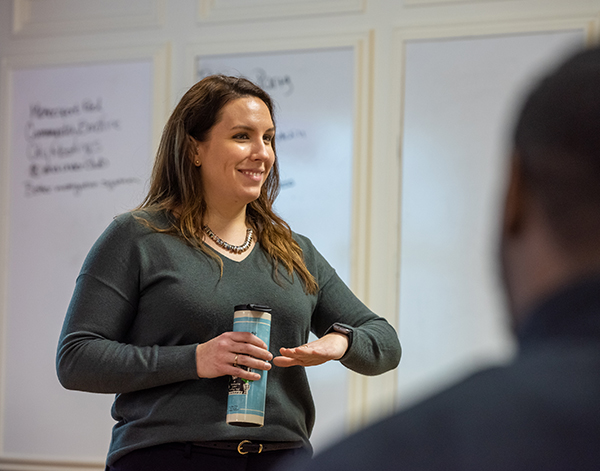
(557,139)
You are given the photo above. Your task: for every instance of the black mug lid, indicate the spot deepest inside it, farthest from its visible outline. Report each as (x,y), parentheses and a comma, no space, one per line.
(252,307)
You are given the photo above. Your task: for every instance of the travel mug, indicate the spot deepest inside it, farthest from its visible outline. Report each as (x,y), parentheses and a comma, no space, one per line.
(246,400)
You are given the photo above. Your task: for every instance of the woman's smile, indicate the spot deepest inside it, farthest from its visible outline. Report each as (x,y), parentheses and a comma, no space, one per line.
(255,175)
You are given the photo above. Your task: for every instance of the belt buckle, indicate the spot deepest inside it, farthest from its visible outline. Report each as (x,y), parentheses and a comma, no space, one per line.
(241,444)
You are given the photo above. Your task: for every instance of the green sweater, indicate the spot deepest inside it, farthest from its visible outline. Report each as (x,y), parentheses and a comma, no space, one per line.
(143,302)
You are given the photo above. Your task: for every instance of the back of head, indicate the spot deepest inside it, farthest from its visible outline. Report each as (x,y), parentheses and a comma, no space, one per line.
(557,139)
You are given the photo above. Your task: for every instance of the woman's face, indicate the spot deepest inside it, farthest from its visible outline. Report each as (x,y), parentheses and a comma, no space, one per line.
(238,154)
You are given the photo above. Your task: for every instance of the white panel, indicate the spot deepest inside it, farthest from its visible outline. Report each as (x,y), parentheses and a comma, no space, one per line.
(78,152)
(314,95)
(236,10)
(460,96)
(80,155)
(67,16)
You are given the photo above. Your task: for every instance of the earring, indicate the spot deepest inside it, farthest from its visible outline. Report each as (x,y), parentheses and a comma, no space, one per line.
(197,162)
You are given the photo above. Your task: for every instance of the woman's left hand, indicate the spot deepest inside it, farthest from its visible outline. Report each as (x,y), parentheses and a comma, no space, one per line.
(332,346)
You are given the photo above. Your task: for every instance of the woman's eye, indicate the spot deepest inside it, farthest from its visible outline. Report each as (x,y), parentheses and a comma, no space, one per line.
(241,136)
(268,138)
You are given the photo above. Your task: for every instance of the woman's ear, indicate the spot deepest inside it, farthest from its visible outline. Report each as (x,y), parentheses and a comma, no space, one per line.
(196,157)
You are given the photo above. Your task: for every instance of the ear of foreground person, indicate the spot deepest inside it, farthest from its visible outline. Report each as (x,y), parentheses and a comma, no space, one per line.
(540,411)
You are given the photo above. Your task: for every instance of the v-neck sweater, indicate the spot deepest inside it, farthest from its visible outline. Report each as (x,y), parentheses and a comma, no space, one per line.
(144,300)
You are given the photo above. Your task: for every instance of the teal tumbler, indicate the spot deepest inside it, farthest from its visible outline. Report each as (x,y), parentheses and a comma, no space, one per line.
(246,401)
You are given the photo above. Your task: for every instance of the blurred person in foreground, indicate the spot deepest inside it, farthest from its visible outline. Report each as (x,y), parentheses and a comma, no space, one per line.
(542,410)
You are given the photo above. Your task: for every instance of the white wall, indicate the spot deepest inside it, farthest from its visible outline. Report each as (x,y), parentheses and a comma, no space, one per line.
(385,36)
(458,119)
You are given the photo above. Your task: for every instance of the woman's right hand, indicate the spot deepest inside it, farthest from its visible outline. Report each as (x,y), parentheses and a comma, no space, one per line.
(224,355)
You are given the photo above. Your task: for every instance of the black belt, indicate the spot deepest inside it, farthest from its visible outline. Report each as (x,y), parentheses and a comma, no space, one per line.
(246,446)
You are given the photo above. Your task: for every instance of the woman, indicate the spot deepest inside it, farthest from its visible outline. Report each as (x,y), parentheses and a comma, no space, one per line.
(152,312)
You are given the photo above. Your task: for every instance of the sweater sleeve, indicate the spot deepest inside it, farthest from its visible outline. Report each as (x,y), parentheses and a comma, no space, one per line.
(93,353)
(375,347)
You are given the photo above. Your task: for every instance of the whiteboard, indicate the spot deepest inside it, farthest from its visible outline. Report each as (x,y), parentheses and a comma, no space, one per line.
(80,153)
(313,91)
(461,95)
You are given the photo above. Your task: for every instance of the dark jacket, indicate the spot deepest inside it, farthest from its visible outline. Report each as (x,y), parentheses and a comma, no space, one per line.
(540,412)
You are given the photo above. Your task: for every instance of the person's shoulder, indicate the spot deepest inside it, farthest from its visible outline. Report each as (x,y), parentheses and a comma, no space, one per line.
(483,419)
(141,221)
(126,228)
(127,233)
(312,257)
(481,388)
(304,242)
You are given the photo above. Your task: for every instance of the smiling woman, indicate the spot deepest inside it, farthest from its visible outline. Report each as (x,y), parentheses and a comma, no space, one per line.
(152,313)
(235,160)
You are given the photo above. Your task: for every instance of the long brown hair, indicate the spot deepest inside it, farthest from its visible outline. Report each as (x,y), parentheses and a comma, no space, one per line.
(175,183)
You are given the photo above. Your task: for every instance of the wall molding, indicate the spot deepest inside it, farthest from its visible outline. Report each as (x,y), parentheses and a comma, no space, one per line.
(589,24)
(49,464)
(444,2)
(244,10)
(29,17)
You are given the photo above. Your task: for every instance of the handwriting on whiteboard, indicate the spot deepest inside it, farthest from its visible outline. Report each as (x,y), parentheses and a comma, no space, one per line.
(282,83)
(68,140)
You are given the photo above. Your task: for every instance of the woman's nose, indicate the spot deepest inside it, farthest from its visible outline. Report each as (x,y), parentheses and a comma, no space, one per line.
(261,150)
